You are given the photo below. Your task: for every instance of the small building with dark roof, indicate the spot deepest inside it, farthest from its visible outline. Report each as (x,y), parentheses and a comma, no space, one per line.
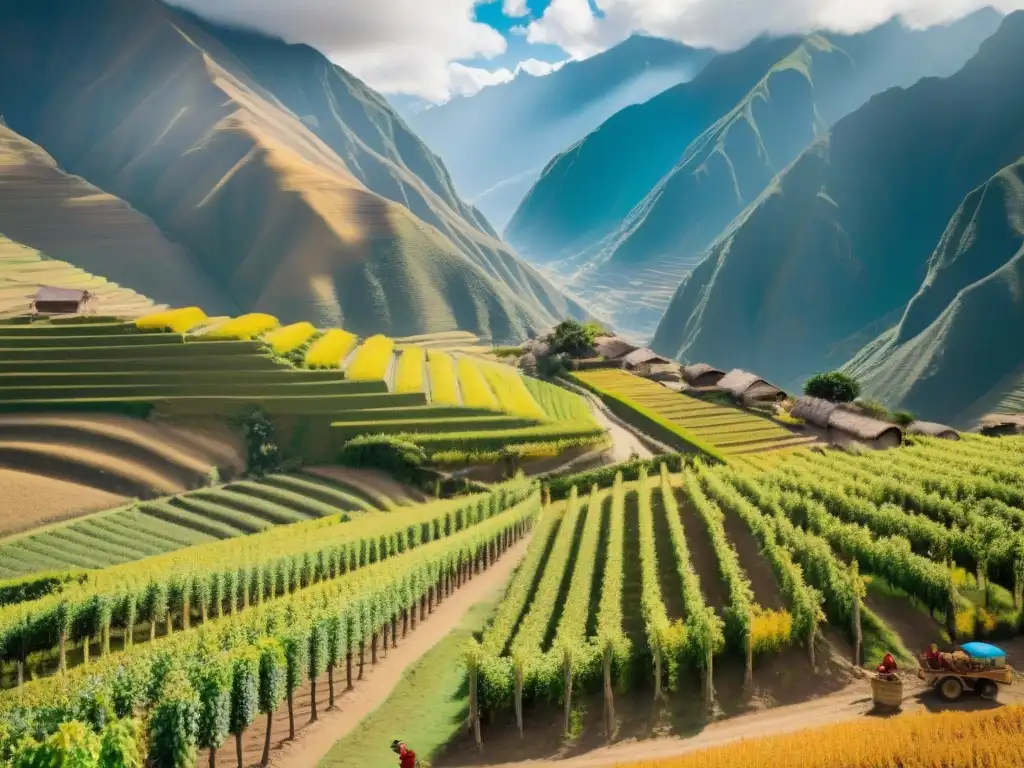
(62,301)
(612,347)
(846,428)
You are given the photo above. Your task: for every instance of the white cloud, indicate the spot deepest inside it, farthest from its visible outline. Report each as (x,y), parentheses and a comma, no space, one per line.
(728,24)
(397,46)
(465,81)
(515,9)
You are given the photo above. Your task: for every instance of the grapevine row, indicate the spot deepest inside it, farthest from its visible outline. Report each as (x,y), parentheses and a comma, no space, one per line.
(609,617)
(214,579)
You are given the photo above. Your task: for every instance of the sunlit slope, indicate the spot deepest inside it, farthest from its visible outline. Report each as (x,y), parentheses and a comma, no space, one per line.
(285,210)
(959,347)
(829,255)
(67,218)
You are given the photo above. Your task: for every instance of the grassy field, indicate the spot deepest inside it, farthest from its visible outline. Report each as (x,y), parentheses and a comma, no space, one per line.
(728,430)
(153,527)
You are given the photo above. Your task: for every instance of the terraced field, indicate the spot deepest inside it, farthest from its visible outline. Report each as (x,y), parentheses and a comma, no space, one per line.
(23,271)
(326,386)
(154,527)
(729,431)
(694,583)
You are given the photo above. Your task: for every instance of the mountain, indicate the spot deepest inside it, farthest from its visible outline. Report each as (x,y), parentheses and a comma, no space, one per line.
(45,209)
(497,141)
(294,187)
(833,251)
(958,349)
(819,79)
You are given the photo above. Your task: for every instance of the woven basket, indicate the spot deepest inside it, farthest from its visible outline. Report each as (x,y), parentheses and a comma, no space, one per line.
(887,693)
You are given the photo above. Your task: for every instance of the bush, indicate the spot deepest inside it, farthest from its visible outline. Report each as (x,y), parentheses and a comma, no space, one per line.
(573,338)
(401,457)
(875,409)
(264,454)
(903,418)
(835,386)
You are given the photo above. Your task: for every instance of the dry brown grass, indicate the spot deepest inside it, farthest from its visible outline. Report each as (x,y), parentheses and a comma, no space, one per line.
(30,500)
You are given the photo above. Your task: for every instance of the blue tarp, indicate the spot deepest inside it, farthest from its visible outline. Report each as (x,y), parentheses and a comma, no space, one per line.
(982,651)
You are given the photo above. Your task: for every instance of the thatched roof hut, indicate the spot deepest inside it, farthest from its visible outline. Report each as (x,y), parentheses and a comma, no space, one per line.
(62,301)
(813,410)
(644,356)
(702,375)
(612,347)
(747,387)
(879,434)
(932,429)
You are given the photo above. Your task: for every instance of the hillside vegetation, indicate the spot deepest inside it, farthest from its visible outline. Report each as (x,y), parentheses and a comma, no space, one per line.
(294,187)
(836,246)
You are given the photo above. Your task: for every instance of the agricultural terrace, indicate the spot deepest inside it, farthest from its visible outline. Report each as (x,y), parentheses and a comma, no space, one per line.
(324,386)
(687,422)
(680,581)
(23,271)
(154,527)
(270,614)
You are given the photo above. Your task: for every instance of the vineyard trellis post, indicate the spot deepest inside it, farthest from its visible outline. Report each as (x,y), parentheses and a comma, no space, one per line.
(568,689)
(518,695)
(708,680)
(656,647)
(811,636)
(748,672)
(858,590)
(609,696)
(474,706)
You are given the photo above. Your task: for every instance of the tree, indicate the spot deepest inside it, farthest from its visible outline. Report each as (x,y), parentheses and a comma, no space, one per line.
(296,654)
(317,660)
(213,684)
(835,386)
(245,679)
(573,338)
(271,686)
(175,723)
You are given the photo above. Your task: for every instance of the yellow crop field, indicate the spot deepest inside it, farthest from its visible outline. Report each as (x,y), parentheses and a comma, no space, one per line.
(512,394)
(994,739)
(443,386)
(288,338)
(330,349)
(174,320)
(475,391)
(725,428)
(372,359)
(409,373)
(243,327)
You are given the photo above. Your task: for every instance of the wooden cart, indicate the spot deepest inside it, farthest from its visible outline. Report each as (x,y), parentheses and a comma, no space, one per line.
(951,684)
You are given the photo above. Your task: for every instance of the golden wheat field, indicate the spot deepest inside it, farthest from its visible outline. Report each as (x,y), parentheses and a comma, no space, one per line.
(992,739)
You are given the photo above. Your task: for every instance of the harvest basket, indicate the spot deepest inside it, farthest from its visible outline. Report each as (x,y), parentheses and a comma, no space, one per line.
(887,693)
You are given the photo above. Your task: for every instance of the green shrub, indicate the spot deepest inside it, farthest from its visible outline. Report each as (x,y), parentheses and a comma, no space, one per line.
(834,386)
(72,745)
(397,455)
(570,337)
(264,455)
(120,745)
(876,409)
(174,725)
(903,418)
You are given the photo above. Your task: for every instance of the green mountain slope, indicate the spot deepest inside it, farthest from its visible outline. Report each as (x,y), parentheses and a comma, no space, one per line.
(831,252)
(296,188)
(958,350)
(817,81)
(496,142)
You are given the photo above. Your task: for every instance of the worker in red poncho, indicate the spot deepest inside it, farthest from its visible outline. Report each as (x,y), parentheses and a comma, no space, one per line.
(888,665)
(406,757)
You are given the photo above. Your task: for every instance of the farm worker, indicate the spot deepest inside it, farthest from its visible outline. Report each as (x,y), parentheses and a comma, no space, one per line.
(406,757)
(933,657)
(888,665)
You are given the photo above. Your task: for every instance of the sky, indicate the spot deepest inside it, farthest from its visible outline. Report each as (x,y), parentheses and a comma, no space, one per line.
(437,49)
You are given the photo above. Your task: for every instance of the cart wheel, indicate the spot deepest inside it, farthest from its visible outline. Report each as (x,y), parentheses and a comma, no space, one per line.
(950,688)
(987,689)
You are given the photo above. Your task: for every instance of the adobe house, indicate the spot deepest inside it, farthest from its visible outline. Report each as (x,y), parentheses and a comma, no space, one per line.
(63,301)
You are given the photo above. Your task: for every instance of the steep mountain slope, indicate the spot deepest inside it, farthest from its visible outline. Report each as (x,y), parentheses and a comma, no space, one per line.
(67,218)
(820,79)
(958,350)
(589,188)
(831,252)
(295,187)
(497,141)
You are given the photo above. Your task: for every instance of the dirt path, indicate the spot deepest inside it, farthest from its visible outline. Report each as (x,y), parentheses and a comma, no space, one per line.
(754,562)
(314,740)
(624,443)
(850,703)
(702,556)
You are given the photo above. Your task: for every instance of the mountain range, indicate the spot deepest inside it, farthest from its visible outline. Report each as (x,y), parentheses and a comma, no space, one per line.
(710,147)
(894,239)
(229,168)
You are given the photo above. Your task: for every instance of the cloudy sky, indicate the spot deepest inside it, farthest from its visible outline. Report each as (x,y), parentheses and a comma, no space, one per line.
(435,49)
